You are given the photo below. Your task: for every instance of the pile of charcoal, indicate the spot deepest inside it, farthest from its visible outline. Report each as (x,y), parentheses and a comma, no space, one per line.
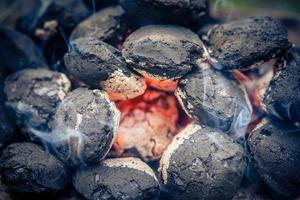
(140,99)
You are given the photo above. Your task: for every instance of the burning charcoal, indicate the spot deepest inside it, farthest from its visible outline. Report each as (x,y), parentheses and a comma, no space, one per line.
(166,11)
(163,52)
(239,44)
(107,25)
(4,192)
(202,163)
(214,100)
(65,14)
(7,127)
(33,96)
(99,64)
(17,51)
(122,178)
(27,168)
(84,127)
(147,126)
(282,98)
(97,4)
(276,156)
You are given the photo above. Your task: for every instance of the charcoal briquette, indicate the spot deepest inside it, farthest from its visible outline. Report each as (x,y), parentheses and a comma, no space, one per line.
(239,44)
(33,96)
(27,168)
(282,98)
(107,25)
(215,100)
(4,191)
(17,51)
(276,156)
(202,163)
(120,178)
(163,52)
(85,127)
(166,11)
(101,65)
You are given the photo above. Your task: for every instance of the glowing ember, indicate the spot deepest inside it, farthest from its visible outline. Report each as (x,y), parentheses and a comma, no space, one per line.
(148,124)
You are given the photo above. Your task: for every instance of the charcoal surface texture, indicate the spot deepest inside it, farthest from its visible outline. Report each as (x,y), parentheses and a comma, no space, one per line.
(17,51)
(101,65)
(163,51)
(121,178)
(276,155)
(265,38)
(27,168)
(282,98)
(166,11)
(202,163)
(33,96)
(107,24)
(65,13)
(84,127)
(214,99)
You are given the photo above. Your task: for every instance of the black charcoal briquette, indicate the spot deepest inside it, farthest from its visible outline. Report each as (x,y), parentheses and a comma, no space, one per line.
(163,52)
(85,127)
(27,168)
(282,98)
(120,178)
(276,156)
(215,100)
(166,11)
(107,25)
(242,43)
(202,164)
(33,96)
(101,65)
(17,51)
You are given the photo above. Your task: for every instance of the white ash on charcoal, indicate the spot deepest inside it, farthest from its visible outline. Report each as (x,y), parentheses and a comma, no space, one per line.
(215,100)
(202,163)
(163,52)
(166,11)
(33,96)
(84,128)
(107,25)
(120,178)
(4,191)
(65,14)
(98,4)
(27,168)
(282,98)
(17,51)
(275,154)
(265,37)
(101,65)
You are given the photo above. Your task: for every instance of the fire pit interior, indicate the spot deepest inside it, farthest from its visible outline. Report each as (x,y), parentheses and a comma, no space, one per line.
(140,99)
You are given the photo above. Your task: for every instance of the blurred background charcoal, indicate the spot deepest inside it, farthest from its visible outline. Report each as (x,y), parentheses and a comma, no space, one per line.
(17,51)
(96,5)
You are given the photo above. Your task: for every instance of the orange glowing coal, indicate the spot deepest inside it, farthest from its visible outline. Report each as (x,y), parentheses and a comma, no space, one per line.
(148,124)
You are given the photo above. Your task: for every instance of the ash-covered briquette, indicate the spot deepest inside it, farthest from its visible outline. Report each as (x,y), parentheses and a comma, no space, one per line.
(215,100)
(239,44)
(84,127)
(101,65)
(120,178)
(33,96)
(276,156)
(107,25)
(4,191)
(282,98)
(166,11)
(17,51)
(65,14)
(27,168)
(163,52)
(202,163)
